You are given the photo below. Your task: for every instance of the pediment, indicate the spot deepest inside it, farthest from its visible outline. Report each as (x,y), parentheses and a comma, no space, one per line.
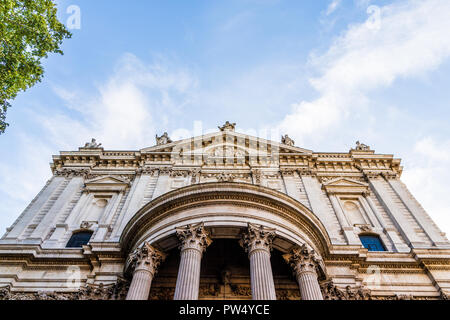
(345,182)
(107,184)
(345,186)
(243,143)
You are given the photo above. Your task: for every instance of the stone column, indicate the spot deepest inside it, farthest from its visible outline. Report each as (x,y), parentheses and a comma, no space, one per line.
(305,265)
(257,241)
(194,241)
(145,261)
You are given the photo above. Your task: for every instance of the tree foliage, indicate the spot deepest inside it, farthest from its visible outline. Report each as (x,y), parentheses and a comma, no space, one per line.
(29,31)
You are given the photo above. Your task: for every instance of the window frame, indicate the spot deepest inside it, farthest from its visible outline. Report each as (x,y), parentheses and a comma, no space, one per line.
(73,242)
(379,245)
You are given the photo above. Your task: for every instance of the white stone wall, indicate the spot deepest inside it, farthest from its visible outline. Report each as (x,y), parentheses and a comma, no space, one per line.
(71,201)
(62,205)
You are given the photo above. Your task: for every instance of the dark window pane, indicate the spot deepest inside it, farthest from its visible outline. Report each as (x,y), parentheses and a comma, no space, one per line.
(372,243)
(79,239)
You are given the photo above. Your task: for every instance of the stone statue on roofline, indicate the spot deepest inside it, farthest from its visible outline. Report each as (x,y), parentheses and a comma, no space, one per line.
(361,146)
(93,144)
(164,139)
(287,141)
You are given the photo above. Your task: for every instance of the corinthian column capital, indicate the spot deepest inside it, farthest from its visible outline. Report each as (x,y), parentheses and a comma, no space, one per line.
(146,258)
(194,237)
(302,259)
(257,237)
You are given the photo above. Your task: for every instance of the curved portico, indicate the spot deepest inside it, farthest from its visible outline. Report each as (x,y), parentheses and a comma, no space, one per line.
(260,219)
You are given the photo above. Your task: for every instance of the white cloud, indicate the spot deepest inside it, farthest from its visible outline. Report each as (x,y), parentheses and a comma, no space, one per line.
(427,176)
(333,6)
(127,108)
(411,40)
(124,113)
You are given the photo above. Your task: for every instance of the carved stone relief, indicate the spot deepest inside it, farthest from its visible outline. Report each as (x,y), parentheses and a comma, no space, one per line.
(116,291)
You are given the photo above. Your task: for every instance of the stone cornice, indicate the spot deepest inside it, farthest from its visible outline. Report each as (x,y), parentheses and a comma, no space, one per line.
(305,161)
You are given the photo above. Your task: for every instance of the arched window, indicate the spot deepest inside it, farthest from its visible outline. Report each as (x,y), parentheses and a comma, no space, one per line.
(372,243)
(79,239)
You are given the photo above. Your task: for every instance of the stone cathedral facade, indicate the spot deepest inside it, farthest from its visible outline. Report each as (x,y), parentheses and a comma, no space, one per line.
(224,216)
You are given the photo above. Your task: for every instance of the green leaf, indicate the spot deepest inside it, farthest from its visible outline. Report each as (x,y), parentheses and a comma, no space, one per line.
(29,31)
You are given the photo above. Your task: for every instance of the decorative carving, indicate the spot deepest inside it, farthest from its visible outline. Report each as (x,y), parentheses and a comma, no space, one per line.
(303,259)
(86,225)
(115,291)
(211,289)
(226,154)
(225,177)
(243,291)
(147,258)
(287,141)
(179,173)
(70,173)
(256,174)
(165,170)
(164,139)
(228,126)
(194,236)
(257,237)
(148,171)
(331,292)
(195,176)
(288,294)
(160,293)
(92,145)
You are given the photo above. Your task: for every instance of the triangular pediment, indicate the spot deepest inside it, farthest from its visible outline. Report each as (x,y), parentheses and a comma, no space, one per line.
(345,186)
(107,184)
(247,143)
(345,182)
(107,180)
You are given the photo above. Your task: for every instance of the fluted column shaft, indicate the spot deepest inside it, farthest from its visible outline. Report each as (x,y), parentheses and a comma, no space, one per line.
(140,285)
(309,286)
(258,241)
(261,277)
(188,280)
(145,262)
(194,240)
(305,265)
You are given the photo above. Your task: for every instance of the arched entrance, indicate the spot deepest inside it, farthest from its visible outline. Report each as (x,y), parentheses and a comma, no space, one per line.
(225,241)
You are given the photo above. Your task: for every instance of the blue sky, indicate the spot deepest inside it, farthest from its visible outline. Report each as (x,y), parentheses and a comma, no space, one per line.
(327,72)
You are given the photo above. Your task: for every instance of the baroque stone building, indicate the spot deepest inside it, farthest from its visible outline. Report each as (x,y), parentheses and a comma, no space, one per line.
(224,216)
